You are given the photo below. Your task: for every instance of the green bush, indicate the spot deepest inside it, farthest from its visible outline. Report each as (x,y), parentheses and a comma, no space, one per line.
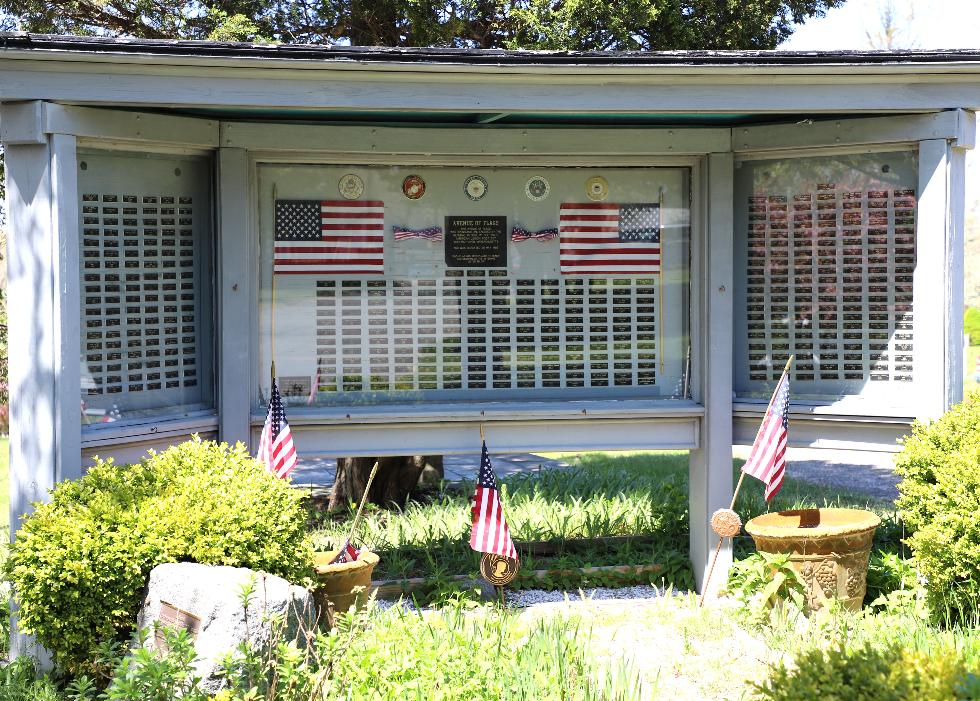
(971,325)
(80,562)
(940,502)
(888,674)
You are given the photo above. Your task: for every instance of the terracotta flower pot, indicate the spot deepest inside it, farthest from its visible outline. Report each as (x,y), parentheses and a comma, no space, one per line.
(828,547)
(337,582)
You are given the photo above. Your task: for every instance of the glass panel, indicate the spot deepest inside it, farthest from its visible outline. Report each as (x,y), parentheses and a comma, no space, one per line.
(448,284)
(145,287)
(826,246)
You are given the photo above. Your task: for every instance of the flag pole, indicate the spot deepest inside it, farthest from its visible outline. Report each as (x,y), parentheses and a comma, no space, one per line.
(741,477)
(272,310)
(660,281)
(364,498)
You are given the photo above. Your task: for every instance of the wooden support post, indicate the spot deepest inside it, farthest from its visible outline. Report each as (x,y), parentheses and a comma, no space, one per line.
(45,389)
(711,463)
(235,319)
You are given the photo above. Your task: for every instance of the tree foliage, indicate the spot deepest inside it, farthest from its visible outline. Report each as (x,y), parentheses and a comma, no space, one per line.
(581,25)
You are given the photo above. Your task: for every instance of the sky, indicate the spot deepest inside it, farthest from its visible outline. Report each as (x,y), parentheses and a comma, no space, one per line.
(939,24)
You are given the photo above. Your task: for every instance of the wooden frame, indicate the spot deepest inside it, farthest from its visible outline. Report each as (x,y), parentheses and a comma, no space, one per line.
(41,139)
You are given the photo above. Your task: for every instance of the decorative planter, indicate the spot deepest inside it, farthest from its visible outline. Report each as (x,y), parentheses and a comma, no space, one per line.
(828,547)
(337,582)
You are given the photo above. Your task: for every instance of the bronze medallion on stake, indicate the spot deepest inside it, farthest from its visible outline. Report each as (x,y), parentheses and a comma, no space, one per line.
(498,570)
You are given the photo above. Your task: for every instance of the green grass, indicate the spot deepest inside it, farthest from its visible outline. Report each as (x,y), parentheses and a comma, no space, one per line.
(602,495)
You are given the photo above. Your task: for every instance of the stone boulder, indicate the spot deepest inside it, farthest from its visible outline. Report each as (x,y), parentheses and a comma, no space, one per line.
(206,600)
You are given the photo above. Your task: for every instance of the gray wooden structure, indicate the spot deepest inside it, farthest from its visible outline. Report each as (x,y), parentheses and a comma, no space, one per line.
(818,199)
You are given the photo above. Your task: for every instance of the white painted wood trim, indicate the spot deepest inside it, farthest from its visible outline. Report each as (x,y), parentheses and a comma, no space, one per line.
(929,286)
(113,435)
(22,123)
(233,292)
(710,476)
(439,438)
(491,92)
(952,124)
(845,433)
(34,362)
(119,125)
(455,142)
(954,279)
(500,411)
(67,321)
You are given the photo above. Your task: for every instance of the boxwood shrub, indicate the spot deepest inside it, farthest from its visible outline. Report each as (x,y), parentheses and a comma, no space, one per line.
(883,674)
(940,501)
(80,562)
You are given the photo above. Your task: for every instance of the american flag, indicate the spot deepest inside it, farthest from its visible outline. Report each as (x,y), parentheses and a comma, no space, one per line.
(432,233)
(344,237)
(598,238)
(767,461)
(348,553)
(490,532)
(276,449)
(519,233)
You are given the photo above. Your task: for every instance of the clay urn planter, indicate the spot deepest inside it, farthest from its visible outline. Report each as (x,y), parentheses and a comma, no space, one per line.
(828,547)
(336,584)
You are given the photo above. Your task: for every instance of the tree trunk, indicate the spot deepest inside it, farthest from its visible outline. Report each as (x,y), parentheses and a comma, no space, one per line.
(397,478)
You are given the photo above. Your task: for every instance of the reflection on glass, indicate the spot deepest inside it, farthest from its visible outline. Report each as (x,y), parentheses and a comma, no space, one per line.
(453,284)
(827,250)
(145,290)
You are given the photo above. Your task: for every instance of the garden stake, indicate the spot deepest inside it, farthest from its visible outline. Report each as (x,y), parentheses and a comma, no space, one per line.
(360,509)
(721,538)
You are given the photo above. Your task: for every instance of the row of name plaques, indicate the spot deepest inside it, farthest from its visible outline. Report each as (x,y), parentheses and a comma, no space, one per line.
(829,278)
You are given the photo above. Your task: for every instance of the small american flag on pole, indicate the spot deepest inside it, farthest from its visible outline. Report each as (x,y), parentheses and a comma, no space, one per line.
(348,553)
(767,461)
(343,237)
(276,450)
(599,238)
(490,532)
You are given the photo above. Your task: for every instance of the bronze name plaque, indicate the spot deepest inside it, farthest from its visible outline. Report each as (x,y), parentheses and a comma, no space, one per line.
(175,619)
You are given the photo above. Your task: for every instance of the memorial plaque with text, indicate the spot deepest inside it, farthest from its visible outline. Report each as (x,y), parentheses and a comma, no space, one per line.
(476,242)
(175,618)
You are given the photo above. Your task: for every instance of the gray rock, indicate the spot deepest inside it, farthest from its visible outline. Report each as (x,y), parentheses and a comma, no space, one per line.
(212,596)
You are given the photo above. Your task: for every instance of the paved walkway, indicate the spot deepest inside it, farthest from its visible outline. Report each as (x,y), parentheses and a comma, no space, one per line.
(855,471)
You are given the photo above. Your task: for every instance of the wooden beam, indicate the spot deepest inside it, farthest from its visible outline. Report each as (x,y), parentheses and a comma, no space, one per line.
(455,142)
(956,125)
(119,125)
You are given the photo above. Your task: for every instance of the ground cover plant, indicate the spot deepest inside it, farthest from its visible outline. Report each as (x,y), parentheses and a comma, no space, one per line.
(460,653)
(80,562)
